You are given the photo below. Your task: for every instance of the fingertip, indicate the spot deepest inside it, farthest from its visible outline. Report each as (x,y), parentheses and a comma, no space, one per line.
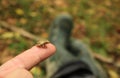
(52,48)
(49,50)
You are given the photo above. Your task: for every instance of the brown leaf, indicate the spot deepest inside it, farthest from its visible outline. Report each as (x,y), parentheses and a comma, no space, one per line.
(11,21)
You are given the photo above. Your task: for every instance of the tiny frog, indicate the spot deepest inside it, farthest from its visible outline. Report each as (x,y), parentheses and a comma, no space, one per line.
(42,43)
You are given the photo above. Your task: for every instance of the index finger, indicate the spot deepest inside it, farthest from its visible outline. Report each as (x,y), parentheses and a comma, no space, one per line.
(27,59)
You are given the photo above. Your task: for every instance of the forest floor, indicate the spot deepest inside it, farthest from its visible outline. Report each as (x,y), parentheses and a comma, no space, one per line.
(96,23)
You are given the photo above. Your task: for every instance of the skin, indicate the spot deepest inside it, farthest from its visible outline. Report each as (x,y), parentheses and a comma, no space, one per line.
(19,66)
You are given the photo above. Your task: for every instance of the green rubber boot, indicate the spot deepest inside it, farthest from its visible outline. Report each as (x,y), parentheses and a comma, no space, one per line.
(69,49)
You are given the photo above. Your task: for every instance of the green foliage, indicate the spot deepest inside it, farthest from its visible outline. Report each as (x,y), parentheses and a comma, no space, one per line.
(18,45)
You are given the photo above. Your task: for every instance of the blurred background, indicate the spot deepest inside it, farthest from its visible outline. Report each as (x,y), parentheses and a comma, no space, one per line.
(96,23)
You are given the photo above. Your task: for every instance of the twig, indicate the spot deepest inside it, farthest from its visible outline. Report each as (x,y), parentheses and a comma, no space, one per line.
(18,30)
(102,59)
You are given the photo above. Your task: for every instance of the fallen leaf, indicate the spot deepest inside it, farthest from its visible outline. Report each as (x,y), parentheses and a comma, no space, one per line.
(19,11)
(44,35)
(7,35)
(11,21)
(5,3)
(33,14)
(36,71)
(113,74)
(23,21)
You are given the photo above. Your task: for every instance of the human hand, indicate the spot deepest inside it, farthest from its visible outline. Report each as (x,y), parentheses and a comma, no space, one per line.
(19,66)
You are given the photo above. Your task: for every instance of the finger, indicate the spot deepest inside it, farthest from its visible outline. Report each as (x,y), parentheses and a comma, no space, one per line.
(28,58)
(19,73)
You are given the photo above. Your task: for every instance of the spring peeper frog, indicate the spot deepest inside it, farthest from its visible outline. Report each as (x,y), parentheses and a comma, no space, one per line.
(42,43)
